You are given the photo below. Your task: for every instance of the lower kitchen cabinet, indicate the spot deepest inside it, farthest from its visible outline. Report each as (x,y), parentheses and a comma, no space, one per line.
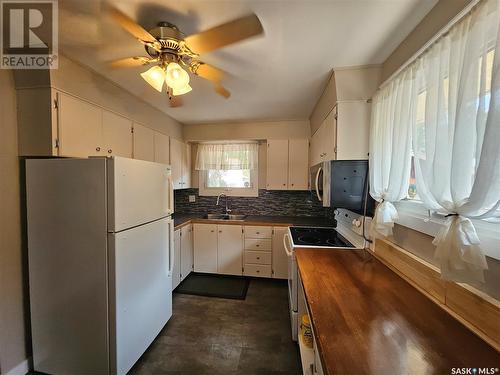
(230,249)
(186,251)
(280,259)
(255,251)
(205,247)
(176,271)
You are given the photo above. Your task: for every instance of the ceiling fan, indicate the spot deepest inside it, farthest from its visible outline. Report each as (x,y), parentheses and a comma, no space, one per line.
(173,54)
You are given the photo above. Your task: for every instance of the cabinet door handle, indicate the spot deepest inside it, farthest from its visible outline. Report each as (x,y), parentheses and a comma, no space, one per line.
(258,271)
(257,245)
(110,151)
(220,231)
(257,232)
(258,258)
(212,231)
(98,149)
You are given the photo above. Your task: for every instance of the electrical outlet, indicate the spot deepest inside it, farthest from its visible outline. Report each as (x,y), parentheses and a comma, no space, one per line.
(192,198)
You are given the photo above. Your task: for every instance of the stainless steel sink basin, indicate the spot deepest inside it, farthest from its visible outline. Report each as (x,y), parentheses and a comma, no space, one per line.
(215,216)
(225,217)
(237,217)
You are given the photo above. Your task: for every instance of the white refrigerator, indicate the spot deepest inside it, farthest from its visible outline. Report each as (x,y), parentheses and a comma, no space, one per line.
(100,253)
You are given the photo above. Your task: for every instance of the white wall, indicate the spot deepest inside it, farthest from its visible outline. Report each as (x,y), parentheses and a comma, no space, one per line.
(13,341)
(247,130)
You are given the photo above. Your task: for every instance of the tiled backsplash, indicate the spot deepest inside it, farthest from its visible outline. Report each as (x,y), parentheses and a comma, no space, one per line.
(272,203)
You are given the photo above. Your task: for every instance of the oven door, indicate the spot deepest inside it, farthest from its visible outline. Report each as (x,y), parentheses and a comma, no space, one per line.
(320,182)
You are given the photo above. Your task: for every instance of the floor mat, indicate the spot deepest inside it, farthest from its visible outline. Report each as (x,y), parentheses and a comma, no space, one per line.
(221,286)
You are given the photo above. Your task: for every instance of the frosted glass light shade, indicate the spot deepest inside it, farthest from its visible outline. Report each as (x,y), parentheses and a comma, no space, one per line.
(155,76)
(176,77)
(181,91)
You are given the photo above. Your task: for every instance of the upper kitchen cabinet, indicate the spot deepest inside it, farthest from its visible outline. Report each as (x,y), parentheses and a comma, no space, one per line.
(277,164)
(287,164)
(161,148)
(298,164)
(116,134)
(340,121)
(80,128)
(144,144)
(180,160)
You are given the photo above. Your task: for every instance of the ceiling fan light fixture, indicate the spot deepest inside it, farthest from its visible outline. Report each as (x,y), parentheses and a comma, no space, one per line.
(181,91)
(155,76)
(176,77)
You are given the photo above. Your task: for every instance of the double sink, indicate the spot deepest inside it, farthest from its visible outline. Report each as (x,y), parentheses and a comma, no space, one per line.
(225,217)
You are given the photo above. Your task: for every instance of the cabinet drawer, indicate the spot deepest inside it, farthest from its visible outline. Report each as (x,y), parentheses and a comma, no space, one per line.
(258,257)
(259,270)
(258,232)
(257,244)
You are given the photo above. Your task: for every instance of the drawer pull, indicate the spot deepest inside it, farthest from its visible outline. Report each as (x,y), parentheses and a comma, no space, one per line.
(258,258)
(257,245)
(257,232)
(257,271)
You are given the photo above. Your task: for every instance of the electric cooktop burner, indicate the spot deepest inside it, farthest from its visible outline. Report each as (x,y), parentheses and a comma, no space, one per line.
(319,237)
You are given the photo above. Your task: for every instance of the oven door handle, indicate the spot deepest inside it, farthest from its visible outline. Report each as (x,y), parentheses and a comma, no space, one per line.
(320,198)
(288,252)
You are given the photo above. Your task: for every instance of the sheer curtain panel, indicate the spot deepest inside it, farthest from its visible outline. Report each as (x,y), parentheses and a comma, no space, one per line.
(390,146)
(446,104)
(457,147)
(233,156)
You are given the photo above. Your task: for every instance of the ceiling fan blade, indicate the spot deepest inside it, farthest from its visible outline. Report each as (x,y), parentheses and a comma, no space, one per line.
(225,34)
(221,90)
(208,71)
(133,28)
(130,62)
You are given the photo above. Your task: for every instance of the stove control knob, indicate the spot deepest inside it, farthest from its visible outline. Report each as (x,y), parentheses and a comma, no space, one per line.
(356,223)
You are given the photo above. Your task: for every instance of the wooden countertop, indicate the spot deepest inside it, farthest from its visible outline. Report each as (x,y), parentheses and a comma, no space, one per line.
(368,320)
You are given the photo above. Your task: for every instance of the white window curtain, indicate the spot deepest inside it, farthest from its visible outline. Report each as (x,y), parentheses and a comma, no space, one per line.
(390,146)
(233,156)
(457,165)
(455,89)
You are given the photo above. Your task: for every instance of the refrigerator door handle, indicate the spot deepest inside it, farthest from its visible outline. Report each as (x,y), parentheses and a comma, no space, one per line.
(171,258)
(171,206)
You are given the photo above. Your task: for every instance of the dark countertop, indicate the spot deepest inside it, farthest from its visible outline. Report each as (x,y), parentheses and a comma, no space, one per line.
(183,219)
(368,320)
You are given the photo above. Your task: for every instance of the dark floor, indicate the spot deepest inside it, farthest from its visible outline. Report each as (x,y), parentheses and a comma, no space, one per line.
(220,336)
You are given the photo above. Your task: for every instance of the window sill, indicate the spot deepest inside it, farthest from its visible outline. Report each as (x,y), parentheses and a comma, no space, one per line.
(230,192)
(413,215)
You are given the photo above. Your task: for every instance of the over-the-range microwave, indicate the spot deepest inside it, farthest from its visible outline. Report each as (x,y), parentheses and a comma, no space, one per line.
(341,183)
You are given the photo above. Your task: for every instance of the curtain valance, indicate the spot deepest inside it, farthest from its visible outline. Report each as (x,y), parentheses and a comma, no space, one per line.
(232,156)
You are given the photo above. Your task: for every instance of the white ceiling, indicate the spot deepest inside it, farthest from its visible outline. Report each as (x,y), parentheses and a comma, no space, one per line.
(274,77)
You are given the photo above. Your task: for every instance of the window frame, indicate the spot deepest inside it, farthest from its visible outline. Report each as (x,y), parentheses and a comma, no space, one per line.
(252,191)
(412,214)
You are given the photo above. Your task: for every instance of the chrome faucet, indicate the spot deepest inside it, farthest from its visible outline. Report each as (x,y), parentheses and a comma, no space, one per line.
(218,199)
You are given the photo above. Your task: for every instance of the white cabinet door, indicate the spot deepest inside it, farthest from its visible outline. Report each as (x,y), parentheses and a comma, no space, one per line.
(186,251)
(116,134)
(143,143)
(328,137)
(162,148)
(230,249)
(176,161)
(205,247)
(353,130)
(186,167)
(277,164)
(280,259)
(298,164)
(80,128)
(176,272)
